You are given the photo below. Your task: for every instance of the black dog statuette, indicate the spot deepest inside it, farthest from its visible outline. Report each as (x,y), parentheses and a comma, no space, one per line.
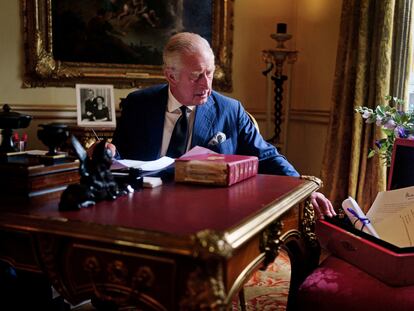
(96,182)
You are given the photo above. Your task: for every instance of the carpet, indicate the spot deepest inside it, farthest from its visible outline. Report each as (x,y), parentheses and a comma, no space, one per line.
(268,290)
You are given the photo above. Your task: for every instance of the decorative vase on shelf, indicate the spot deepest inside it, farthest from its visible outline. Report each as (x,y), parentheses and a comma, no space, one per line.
(53,135)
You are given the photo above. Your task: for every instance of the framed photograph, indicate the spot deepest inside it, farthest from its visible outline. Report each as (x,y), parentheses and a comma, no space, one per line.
(95,105)
(118,42)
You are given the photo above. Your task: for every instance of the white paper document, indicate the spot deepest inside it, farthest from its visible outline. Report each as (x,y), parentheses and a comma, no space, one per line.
(392,214)
(144,165)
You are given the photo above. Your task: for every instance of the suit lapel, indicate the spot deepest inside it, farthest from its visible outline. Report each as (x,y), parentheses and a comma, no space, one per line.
(203,123)
(155,120)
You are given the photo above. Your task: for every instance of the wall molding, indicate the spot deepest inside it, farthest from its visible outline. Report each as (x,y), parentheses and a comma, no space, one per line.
(310,116)
(46,112)
(50,112)
(297,115)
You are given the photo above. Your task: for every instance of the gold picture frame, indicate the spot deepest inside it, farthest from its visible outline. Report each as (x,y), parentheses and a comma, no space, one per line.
(43,68)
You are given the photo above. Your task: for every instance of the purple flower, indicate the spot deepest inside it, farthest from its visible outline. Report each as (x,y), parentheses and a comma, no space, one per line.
(390,124)
(378,143)
(400,132)
(366,114)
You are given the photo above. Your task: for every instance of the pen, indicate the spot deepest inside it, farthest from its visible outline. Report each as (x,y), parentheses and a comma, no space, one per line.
(97,137)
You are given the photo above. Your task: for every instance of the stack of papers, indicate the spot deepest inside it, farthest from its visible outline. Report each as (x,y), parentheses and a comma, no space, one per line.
(148,166)
(391,214)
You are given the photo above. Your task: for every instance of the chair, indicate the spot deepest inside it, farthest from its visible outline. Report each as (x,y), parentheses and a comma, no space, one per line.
(253,119)
(338,285)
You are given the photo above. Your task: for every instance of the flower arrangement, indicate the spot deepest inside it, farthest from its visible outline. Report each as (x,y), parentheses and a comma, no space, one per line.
(394,123)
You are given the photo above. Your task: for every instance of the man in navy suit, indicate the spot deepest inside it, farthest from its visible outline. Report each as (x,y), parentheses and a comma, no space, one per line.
(215,121)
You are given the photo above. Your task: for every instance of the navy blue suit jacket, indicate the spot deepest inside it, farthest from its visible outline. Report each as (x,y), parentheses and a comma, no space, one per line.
(139,131)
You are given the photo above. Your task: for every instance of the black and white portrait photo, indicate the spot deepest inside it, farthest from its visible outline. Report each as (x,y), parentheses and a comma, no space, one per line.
(95,105)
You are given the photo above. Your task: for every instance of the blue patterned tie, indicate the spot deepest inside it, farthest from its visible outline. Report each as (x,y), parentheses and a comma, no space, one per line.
(178,142)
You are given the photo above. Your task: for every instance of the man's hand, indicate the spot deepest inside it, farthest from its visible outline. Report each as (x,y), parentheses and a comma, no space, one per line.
(107,145)
(322,206)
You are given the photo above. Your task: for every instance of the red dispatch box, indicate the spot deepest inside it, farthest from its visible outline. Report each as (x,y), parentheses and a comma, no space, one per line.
(390,264)
(215,169)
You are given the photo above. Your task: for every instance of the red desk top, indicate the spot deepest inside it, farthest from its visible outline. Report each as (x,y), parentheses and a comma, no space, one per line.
(177,208)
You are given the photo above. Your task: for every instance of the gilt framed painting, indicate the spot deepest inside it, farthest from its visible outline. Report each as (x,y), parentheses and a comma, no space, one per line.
(118,42)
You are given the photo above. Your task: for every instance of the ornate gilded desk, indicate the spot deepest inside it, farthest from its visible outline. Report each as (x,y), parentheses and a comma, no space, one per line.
(175,247)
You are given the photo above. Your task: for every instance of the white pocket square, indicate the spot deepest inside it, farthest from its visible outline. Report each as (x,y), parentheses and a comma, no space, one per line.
(217,139)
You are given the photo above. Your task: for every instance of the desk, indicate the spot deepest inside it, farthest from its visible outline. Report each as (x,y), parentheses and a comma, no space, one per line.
(175,247)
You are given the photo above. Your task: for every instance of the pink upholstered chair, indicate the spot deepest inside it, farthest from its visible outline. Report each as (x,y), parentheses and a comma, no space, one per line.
(338,286)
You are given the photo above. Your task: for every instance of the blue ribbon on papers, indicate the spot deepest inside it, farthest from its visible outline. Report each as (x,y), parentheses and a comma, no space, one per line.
(363,220)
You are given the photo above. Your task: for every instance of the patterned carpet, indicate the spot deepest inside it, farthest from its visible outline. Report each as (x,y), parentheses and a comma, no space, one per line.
(268,290)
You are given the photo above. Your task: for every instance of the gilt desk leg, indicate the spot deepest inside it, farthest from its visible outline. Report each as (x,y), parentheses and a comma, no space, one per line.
(303,249)
(204,289)
(311,240)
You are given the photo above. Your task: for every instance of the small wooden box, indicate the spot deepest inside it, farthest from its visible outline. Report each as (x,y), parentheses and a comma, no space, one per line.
(25,176)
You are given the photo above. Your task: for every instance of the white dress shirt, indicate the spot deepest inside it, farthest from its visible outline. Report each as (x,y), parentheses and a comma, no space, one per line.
(172,114)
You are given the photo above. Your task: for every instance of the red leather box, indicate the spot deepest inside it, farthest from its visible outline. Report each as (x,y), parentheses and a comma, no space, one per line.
(388,263)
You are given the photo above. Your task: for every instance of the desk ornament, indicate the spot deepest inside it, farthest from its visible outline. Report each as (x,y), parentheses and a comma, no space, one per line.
(10,120)
(53,135)
(96,181)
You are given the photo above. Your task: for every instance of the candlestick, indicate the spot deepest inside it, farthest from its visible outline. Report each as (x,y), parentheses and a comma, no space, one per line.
(281,28)
(275,59)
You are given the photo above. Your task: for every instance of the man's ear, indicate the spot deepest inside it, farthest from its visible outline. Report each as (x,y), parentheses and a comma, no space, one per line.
(171,76)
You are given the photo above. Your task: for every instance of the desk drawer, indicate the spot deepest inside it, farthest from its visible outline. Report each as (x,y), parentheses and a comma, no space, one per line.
(130,277)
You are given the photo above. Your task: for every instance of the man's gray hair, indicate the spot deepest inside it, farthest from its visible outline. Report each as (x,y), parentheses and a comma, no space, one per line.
(183,42)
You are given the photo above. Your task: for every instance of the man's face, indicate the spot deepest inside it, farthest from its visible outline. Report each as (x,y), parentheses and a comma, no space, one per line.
(192,83)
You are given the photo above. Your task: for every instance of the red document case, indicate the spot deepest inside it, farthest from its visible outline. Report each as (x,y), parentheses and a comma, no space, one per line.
(388,263)
(215,169)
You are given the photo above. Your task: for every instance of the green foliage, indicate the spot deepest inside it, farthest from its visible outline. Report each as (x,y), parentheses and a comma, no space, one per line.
(393,121)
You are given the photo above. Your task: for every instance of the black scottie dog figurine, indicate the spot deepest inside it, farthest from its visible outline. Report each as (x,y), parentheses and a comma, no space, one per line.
(96,182)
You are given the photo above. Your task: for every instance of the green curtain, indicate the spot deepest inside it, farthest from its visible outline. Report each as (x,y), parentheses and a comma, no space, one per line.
(362,78)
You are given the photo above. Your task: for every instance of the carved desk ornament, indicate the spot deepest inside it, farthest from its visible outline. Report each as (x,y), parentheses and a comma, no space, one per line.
(96,183)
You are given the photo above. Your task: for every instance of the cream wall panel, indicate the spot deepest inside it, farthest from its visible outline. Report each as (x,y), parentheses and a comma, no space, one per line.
(312,81)
(317,38)
(305,152)
(253,23)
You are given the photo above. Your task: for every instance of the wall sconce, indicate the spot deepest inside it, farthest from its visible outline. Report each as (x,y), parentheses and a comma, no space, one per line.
(274,60)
